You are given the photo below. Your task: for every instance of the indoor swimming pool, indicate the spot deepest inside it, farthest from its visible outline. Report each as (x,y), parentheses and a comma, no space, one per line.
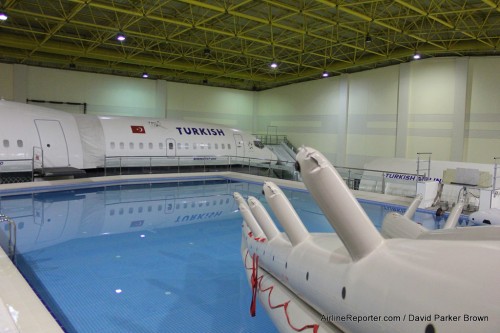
(159,257)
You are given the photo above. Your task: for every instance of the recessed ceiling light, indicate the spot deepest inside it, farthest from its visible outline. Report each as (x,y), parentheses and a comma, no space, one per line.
(121,37)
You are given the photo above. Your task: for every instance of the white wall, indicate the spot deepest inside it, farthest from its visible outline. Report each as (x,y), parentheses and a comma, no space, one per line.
(308,113)
(431,109)
(447,106)
(223,106)
(483,119)
(104,94)
(372,115)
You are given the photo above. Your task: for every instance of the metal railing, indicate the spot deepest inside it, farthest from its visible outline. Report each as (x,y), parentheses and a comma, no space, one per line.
(16,166)
(163,164)
(379,181)
(271,139)
(37,160)
(495,185)
(356,178)
(12,235)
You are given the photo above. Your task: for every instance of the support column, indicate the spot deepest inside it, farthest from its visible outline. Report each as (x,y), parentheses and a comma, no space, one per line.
(20,84)
(161,99)
(403,110)
(342,119)
(459,108)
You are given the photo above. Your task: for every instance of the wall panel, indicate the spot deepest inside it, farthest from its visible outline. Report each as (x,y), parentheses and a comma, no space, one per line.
(372,115)
(7,81)
(483,128)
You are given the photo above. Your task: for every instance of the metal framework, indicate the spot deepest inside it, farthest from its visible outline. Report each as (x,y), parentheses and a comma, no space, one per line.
(231,43)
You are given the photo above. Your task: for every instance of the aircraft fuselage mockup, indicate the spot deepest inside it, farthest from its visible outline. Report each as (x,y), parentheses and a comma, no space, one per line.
(61,139)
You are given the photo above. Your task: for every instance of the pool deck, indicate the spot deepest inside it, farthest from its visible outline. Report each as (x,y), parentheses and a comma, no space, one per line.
(21,311)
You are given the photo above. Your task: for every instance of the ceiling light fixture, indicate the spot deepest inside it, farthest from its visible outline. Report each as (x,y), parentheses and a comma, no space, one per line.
(416,56)
(368,39)
(325,74)
(274,65)
(3,16)
(121,37)
(145,75)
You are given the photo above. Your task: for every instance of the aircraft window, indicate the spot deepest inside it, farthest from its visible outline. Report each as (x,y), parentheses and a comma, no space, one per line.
(150,145)
(185,205)
(186,145)
(194,145)
(122,145)
(120,211)
(112,145)
(216,146)
(159,207)
(202,146)
(228,146)
(209,146)
(150,209)
(140,210)
(112,212)
(131,145)
(141,145)
(131,210)
(223,146)
(20,143)
(6,143)
(207,203)
(179,145)
(177,206)
(193,205)
(170,145)
(258,144)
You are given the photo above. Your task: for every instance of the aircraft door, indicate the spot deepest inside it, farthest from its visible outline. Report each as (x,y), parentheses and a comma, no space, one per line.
(240,147)
(53,143)
(171,147)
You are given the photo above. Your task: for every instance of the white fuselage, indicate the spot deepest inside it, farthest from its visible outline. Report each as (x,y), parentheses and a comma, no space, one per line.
(59,139)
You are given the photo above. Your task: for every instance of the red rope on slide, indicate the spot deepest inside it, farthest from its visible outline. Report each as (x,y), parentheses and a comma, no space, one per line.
(256,284)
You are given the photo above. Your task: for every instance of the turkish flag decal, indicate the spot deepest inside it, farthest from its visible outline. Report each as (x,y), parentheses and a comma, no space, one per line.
(138,129)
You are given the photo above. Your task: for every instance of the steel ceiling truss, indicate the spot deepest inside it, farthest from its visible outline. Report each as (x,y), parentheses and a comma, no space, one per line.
(231,43)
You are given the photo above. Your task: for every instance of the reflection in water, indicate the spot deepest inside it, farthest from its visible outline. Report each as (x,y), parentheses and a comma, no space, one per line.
(45,219)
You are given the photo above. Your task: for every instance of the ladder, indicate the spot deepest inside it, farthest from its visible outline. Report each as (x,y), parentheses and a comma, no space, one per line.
(12,235)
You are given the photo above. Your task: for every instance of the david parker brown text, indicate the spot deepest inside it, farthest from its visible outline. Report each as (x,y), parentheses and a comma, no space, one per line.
(406,317)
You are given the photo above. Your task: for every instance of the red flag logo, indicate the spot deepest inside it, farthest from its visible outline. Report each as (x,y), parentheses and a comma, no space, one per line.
(138,129)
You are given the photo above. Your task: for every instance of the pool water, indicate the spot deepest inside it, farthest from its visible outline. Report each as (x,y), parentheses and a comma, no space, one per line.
(148,258)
